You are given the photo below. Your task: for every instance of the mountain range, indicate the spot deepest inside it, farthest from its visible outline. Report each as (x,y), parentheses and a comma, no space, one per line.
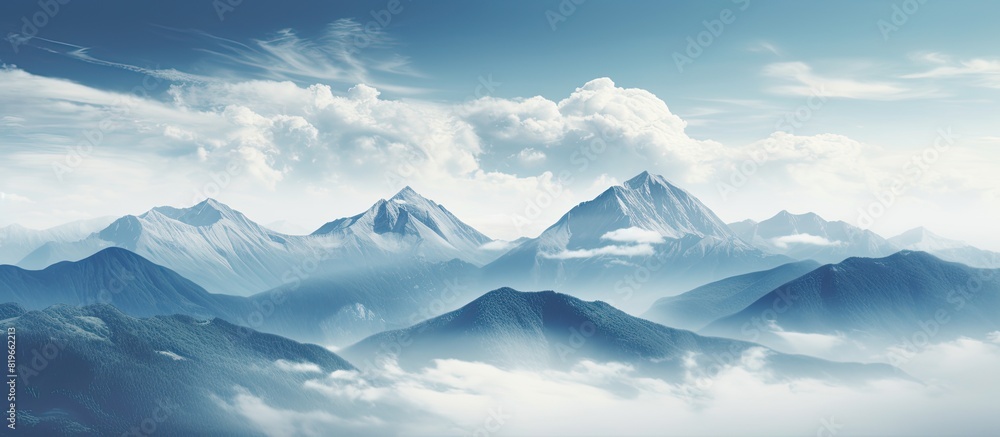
(16,241)
(324,311)
(548,330)
(646,226)
(921,239)
(225,252)
(874,301)
(95,371)
(117,277)
(809,236)
(696,308)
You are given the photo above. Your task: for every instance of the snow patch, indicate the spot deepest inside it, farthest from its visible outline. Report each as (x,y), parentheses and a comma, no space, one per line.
(171,355)
(612,250)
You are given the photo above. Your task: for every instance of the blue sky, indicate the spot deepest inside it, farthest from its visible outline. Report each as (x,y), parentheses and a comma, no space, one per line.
(863,87)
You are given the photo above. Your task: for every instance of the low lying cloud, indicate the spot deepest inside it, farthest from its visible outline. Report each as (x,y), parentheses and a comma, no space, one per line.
(633,235)
(993,337)
(803,239)
(810,343)
(451,397)
(303,367)
(497,245)
(611,250)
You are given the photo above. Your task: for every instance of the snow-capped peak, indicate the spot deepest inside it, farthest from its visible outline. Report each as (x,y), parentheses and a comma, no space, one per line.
(409,220)
(646,179)
(205,213)
(649,202)
(921,238)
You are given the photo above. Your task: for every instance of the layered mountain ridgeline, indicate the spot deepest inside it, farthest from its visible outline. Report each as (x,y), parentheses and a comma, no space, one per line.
(809,236)
(646,227)
(17,241)
(353,305)
(225,252)
(877,301)
(118,277)
(696,308)
(96,371)
(215,246)
(320,309)
(924,240)
(548,330)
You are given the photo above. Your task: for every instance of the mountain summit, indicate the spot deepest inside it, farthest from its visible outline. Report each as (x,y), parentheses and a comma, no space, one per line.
(599,242)
(210,243)
(545,329)
(946,249)
(409,220)
(646,201)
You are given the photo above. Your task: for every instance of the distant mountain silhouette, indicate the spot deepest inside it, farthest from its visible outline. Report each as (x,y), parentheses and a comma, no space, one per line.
(696,308)
(541,330)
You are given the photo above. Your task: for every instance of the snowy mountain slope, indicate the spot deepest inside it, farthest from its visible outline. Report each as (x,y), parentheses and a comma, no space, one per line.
(106,373)
(875,301)
(407,223)
(209,243)
(225,252)
(949,250)
(16,241)
(809,236)
(545,330)
(696,308)
(646,227)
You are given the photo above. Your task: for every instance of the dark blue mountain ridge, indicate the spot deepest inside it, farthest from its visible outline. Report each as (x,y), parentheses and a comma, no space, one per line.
(96,371)
(313,308)
(696,308)
(115,276)
(877,300)
(545,330)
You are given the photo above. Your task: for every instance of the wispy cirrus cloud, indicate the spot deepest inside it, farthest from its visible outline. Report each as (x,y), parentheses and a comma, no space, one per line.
(982,72)
(343,52)
(799,78)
